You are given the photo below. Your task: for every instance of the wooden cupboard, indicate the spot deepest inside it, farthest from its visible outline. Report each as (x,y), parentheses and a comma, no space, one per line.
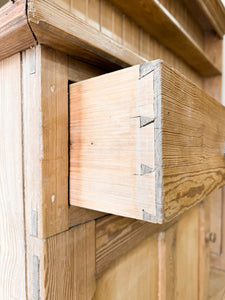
(53,250)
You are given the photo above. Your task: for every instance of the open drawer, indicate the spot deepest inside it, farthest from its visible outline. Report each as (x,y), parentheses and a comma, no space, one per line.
(145,142)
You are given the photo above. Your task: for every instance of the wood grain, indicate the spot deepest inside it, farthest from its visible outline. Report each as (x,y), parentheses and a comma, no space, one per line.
(106,184)
(176,38)
(46,140)
(214,11)
(12,239)
(167,263)
(184,145)
(115,236)
(195,170)
(65,32)
(218,261)
(69,264)
(187,256)
(15,34)
(217,287)
(133,276)
(204,249)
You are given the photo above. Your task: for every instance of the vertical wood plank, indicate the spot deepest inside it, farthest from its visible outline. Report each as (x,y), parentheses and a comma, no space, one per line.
(216,221)
(63,3)
(131,35)
(133,276)
(187,256)
(204,227)
(79,8)
(54,106)
(45,81)
(12,240)
(69,264)
(167,264)
(93,13)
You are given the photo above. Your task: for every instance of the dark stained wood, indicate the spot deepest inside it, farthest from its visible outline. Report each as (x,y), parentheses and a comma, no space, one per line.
(15,33)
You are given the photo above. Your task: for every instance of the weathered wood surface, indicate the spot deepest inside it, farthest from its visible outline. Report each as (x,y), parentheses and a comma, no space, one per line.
(56,29)
(164,262)
(176,38)
(69,264)
(45,107)
(12,239)
(63,31)
(153,172)
(217,286)
(133,276)
(15,33)
(115,236)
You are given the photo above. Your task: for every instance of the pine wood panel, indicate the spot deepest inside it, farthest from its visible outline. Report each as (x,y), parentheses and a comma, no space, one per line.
(180,12)
(12,239)
(183,146)
(46,138)
(176,38)
(167,263)
(183,256)
(115,236)
(204,249)
(69,264)
(133,276)
(13,24)
(187,257)
(121,34)
(217,285)
(46,141)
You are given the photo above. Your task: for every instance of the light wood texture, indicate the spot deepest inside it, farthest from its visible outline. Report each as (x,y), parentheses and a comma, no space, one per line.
(176,38)
(67,33)
(180,255)
(15,34)
(45,118)
(109,147)
(133,276)
(218,259)
(204,249)
(112,33)
(216,221)
(105,169)
(69,264)
(46,141)
(167,263)
(79,215)
(187,257)
(116,236)
(58,32)
(214,11)
(12,239)
(217,285)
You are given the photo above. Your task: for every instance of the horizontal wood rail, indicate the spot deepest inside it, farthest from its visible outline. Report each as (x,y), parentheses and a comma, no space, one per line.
(53,26)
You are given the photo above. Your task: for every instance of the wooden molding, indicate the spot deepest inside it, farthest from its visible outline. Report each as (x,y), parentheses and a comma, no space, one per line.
(15,33)
(168,32)
(63,31)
